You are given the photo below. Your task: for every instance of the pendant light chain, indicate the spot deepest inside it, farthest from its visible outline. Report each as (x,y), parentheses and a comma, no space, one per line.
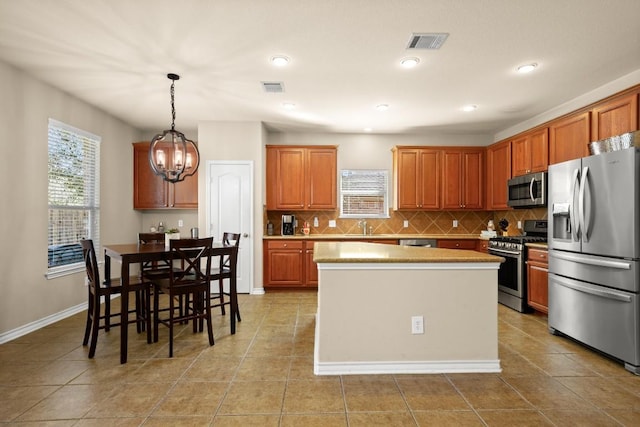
(173,107)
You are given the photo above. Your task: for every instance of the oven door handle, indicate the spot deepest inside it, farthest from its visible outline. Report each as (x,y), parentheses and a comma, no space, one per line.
(502,251)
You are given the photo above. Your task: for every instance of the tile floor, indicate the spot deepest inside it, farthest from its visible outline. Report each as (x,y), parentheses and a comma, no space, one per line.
(263,376)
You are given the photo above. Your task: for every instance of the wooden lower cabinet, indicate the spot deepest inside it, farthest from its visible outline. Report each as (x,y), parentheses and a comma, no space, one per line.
(289,264)
(482,245)
(537,279)
(469,244)
(283,263)
(310,267)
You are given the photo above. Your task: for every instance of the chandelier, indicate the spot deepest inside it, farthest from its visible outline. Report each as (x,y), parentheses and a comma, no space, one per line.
(171,154)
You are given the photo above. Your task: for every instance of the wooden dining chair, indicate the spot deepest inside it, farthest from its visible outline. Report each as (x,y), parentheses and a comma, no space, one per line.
(153,269)
(191,282)
(98,289)
(224,272)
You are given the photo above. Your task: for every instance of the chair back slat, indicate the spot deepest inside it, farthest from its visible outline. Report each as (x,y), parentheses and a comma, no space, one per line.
(196,257)
(90,262)
(229,239)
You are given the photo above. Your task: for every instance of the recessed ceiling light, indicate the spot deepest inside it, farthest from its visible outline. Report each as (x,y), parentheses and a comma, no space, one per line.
(409,62)
(382,107)
(288,105)
(279,60)
(527,68)
(367,129)
(470,107)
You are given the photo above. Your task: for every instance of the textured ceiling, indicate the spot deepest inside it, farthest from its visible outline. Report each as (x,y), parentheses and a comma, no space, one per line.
(345,56)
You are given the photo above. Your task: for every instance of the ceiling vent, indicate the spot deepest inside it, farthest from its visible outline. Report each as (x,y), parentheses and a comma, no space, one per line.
(273,87)
(427,40)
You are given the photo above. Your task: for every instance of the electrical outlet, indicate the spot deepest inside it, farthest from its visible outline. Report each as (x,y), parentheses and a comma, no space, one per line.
(315,221)
(519,225)
(180,223)
(455,223)
(406,223)
(332,223)
(417,325)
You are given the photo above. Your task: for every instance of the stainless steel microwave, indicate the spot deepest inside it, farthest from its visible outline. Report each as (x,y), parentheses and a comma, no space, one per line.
(527,191)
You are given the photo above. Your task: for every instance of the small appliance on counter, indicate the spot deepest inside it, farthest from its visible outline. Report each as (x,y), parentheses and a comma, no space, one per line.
(288,225)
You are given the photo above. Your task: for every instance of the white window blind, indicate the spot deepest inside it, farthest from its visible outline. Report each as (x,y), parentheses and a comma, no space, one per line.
(363,193)
(74,196)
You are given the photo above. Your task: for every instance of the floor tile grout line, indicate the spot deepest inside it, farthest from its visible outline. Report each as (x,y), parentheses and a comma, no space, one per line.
(473,408)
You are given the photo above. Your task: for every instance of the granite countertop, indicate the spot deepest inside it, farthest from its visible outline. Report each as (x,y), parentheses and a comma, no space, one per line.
(375,236)
(361,252)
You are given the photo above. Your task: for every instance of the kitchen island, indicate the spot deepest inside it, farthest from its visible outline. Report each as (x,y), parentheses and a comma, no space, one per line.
(371,297)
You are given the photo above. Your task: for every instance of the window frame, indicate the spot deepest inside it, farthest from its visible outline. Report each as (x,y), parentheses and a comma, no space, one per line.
(384,174)
(88,171)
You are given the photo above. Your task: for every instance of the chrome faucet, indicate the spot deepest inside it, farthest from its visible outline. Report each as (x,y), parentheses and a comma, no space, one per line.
(362,223)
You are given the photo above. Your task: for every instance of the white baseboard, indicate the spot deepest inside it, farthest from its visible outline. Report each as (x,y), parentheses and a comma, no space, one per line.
(257,291)
(401,367)
(41,323)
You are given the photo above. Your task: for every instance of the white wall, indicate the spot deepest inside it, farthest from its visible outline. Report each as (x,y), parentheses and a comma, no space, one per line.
(590,97)
(25,107)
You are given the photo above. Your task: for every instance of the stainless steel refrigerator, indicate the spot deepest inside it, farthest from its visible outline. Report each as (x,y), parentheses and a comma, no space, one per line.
(594,253)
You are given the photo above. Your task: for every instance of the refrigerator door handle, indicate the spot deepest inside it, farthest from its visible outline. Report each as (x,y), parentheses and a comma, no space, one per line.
(620,265)
(573,216)
(581,204)
(618,296)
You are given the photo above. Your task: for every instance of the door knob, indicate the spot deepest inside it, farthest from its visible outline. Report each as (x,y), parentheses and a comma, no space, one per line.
(245,235)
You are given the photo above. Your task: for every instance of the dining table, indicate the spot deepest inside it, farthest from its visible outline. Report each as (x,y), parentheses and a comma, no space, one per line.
(135,253)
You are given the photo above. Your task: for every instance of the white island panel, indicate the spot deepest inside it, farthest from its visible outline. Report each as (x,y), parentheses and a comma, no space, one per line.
(363,324)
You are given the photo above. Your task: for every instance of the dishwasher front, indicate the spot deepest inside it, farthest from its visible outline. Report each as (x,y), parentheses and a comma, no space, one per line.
(425,243)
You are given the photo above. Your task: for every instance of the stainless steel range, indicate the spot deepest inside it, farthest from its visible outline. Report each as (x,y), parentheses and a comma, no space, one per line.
(512,275)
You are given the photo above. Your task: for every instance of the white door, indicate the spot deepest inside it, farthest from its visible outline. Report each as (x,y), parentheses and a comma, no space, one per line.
(230,209)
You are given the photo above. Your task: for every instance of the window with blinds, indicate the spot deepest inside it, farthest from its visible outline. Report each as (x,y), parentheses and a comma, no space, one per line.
(363,194)
(74,196)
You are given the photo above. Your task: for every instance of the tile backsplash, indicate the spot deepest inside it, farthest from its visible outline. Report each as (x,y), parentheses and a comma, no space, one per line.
(420,222)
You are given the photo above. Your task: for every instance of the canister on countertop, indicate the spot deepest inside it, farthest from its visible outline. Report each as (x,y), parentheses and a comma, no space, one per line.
(269,229)
(194,233)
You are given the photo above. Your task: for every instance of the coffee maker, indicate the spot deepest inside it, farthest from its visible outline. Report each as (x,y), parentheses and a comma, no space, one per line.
(288,225)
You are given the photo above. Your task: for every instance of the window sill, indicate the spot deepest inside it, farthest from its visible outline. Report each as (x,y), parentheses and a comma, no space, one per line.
(64,270)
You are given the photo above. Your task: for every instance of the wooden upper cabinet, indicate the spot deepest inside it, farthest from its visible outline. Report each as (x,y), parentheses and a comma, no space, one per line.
(530,152)
(301,178)
(288,186)
(614,117)
(539,144)
(498,173)
(321,176)
(569,137)
(429,179)
(463,178)
(150,191)
(417,178)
